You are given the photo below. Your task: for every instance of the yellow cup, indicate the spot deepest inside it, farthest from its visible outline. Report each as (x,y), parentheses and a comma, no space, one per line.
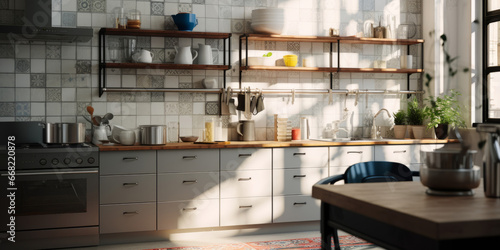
(290,60)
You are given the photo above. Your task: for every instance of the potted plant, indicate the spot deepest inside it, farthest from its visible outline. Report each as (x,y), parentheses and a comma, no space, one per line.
(400,124)
(415,117)
(444,111)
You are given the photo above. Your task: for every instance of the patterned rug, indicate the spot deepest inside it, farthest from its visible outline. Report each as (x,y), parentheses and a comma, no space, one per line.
(346,242)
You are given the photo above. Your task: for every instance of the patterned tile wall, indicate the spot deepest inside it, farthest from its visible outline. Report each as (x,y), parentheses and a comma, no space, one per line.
(54,82)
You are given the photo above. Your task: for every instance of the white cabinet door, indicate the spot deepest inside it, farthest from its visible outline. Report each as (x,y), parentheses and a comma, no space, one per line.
(128,162)
(344,156)
(251,183)
(188,186)
(188,214)
(404,154)
(127,218)
(300,157)
(295,208)
(296,181)
(127,188)
(236,159)
(245,211)
(188,160)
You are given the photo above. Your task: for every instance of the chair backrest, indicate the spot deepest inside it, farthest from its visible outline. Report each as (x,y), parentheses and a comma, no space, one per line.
(377,171)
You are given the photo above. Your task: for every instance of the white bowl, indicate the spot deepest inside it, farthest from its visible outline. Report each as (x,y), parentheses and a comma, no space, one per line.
(270,28)
(115,133)
(260,61)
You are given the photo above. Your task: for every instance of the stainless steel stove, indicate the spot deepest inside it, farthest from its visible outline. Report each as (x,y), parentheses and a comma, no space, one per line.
(49,193)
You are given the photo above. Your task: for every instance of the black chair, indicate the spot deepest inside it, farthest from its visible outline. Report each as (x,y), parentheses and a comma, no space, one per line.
(371,171)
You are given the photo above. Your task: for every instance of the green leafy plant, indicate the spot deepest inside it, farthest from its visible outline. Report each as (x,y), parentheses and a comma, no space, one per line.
(400,117)
(415,113)
(445,109)
(268,54)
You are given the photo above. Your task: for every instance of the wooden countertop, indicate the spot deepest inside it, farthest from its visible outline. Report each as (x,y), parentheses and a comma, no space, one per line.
(407,206)
(269,144)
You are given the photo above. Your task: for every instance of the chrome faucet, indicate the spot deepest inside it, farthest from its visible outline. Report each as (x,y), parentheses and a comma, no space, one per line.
(375,134)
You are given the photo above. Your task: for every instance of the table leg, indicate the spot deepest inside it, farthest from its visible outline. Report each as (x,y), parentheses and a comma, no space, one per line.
(326,232)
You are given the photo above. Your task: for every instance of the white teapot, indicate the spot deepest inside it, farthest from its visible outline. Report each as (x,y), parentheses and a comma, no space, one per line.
(143,56)
(184,55)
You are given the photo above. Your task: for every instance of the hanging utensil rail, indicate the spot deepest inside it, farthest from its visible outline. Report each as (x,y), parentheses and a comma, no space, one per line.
(270,91)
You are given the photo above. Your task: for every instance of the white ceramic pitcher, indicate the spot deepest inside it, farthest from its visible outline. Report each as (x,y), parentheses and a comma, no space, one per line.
(143,56)
(206,54)
(184,55)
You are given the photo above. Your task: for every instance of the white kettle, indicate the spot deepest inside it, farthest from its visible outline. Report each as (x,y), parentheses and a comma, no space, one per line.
(184,55)
(206,54)
(143,56)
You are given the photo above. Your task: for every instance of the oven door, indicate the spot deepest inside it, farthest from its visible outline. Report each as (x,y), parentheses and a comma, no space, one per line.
(48,199)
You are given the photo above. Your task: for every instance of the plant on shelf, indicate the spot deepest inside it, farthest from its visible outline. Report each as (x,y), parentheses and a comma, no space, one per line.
(400,124)
(268,54)
(415,118)
(444,110)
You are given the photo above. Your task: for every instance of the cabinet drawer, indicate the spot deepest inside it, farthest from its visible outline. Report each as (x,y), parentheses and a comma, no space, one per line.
(295,208)
(314,157)
(175,187)
(348,155)
(189,214)
(128,188)
(296,181)
(404,154)
(245,159)
(250,183)
(245,211)
(192,160)
(128,162)
(128,218)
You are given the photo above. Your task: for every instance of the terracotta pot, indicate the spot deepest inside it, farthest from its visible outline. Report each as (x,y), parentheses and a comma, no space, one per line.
(418,131)
(441,131)
(399,131)
(410,131)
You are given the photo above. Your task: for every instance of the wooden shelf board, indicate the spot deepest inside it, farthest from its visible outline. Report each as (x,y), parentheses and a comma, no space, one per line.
(163,33)
(323,39)
(283,68)
(164,66)
(373,70)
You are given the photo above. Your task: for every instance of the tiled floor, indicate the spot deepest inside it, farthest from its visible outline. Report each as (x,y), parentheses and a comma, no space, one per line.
(212,238)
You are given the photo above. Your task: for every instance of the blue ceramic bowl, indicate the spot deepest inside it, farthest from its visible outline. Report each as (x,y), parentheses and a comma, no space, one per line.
(185,21)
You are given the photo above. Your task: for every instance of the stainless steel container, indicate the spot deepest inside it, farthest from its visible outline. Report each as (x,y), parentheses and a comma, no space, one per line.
(64,133)
(491,160)
(449,158)
(153,134)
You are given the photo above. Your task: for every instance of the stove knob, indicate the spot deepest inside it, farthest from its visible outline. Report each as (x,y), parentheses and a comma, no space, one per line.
(67,161)
(42,162)
(79,160)
(55,161)
(91,160)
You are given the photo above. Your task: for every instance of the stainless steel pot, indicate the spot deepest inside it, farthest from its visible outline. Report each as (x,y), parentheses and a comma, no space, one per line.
(153,134)
(64,133)
(449,158)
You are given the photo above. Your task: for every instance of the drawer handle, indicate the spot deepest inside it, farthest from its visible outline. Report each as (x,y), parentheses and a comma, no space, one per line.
(130,184)
(130,158)
(244,155)
(190,181)
(189,209)
(354,152)
(191,157)
(249,206)
(245,179)
(299,176)
(133,212)
(299,203)
(299,154)
(399,152)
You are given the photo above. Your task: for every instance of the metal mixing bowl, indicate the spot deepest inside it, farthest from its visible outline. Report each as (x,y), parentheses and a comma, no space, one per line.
(450,179)
(449,159)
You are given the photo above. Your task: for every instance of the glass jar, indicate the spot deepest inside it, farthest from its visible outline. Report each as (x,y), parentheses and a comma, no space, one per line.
(134,19)
(209,130)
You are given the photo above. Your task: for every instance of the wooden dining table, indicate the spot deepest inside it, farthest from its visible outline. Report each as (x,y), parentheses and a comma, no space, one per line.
(400,215)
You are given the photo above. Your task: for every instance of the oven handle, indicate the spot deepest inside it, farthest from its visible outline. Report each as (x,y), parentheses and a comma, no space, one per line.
(19,173)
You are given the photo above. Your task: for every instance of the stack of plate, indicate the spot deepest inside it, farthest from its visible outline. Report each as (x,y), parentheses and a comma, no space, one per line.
(268,21)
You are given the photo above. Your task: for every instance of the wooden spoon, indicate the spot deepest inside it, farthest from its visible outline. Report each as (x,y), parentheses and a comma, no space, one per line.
(90,109)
